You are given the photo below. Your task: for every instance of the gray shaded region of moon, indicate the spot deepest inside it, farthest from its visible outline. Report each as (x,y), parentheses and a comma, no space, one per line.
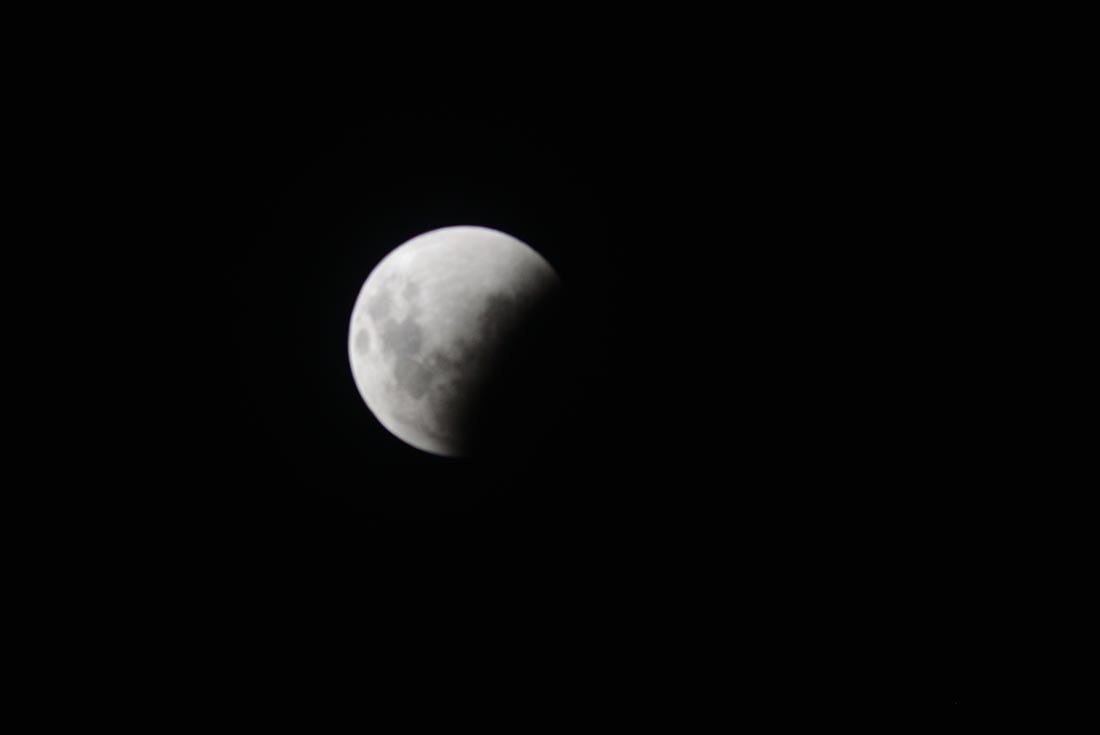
(428,322)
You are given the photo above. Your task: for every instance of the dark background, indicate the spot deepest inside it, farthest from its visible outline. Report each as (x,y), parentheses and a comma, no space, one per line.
(755,485)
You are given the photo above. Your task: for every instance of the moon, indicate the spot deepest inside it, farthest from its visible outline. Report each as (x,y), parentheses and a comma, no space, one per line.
(430,324)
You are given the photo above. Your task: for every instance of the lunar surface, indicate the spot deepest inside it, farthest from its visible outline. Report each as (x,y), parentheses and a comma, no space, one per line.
(429,323)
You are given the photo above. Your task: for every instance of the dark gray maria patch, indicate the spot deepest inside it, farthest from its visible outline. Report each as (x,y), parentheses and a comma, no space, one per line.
(362,341)
(412,377)
(440,362)
(402,338)
(380,305)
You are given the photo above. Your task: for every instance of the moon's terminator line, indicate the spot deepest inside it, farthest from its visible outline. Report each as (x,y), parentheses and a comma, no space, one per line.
(429,322)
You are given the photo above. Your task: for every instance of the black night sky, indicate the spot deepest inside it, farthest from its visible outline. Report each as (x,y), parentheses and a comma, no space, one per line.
(749,463)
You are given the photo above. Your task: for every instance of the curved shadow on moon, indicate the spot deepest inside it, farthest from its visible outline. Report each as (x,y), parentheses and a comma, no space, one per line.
(523,382)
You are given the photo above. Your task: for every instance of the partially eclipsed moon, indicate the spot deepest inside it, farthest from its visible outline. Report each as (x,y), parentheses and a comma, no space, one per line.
(429,323)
